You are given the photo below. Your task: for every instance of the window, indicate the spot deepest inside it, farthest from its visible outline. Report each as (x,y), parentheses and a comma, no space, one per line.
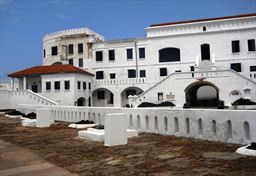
(81,62)
(253,68)
(112,76)
(163,71)
(205,52)
(48,86)
(204,28)
(57,85)
(99,75)
(99,56)
(101,94)
(236,67)
(141,53)
(70,61)
(251,45)
(67,85)
(177,71)
(84,85)
(44,53)
(70,49)
(89,86)
(142,73)
(54,50)
(129,53)
(160,96)
(235,46)
(169,55)
(130,92)
(80,48)
(111,55)
(78,84)
(131,73)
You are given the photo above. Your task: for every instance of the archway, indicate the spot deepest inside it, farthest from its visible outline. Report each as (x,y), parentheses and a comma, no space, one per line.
(103,97)
(127,92)
(202,94)
(81,101)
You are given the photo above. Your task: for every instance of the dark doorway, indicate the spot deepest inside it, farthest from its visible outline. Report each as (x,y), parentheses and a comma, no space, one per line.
(111,100)
(205,52)
(34,88)
(81,101)
(202,94)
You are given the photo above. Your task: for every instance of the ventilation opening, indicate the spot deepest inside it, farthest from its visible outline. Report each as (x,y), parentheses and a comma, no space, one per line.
(229,129)
(214,128)
(176,122)
(187,126)
(130,122)
(247,130)
(147,123)
(138,122)
(156,123)
(200,127)
(165,124)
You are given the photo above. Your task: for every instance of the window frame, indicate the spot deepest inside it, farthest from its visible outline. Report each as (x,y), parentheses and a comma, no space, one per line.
(53,51)
(80,48)
(142,75)
(111,55)
(66,85)
(48,85)
(235,46)
(80,62)
(130,74)
(129,53)
(57,85)
(163,68)
(99,58)
(97,76)
(78,85)
(71,49)
(84,85)
(142,55)
(251,45)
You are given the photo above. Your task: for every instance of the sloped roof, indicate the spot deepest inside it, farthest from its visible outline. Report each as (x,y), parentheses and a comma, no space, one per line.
(202,20)
(49,69)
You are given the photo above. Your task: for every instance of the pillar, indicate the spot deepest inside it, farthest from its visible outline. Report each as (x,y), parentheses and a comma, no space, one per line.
(24,83)
(117,99)
(12,84)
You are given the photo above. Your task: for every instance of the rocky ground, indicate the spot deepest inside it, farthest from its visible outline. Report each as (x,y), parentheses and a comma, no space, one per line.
(148,154)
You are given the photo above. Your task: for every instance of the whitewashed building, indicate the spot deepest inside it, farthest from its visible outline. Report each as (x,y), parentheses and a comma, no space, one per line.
(197,63)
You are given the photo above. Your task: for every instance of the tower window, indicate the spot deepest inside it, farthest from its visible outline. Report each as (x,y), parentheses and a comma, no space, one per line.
(54,51)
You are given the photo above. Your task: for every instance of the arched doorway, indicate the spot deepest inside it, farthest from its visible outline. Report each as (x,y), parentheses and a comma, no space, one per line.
(103,97)
(81,101)
(202,94)
(129,91)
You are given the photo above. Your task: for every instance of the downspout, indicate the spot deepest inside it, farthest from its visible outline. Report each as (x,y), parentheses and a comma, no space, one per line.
(136,59)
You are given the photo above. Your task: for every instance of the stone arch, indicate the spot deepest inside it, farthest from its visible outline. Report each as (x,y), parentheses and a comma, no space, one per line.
(134,90)
(102,97)
(202,94)
(81,101)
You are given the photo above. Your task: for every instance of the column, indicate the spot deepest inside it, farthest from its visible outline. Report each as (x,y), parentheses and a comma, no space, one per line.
(24,83)
(12,84)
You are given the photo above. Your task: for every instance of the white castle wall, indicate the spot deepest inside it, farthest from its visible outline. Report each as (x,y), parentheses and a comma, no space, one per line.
(231,126)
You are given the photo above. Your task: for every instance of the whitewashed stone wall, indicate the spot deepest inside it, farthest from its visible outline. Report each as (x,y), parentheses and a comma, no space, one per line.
(231,126)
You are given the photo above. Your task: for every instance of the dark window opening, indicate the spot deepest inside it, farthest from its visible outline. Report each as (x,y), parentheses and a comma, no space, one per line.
(67,85)
(204,28)
(80,62)
(169,55)
(205,52)
(70,49)
(142,73)
(57,85)
(236,67)
(101,95)
(111,55)
(80,48)
(251,45)
(44,53)
(78,84)
(99,56)
(112,76)
(111,98)
(253,68)
(70,61)
(130,92)
(48,85)
(177,70)
(89,86)
(129,53)
(132,73)
(141,53)
(84,85)
(235,46)
(163,71)
(99,75)
(54,50)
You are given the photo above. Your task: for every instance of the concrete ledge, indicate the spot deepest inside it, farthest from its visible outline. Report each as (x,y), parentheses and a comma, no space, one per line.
(28,122)
(81,126)
(13,116)
(244,151)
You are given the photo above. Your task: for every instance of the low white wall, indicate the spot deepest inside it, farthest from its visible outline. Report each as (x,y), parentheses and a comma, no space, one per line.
(231,126)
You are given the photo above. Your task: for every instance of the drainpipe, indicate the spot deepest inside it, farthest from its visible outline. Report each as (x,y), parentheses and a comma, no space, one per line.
(136,58)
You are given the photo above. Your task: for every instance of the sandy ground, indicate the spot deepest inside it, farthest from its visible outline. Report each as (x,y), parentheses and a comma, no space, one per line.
(148,154)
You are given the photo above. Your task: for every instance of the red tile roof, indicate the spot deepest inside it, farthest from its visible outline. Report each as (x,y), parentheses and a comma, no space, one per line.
(202,20)
(49,69)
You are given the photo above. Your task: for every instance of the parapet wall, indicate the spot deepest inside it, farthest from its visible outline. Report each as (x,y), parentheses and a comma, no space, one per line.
(230,126)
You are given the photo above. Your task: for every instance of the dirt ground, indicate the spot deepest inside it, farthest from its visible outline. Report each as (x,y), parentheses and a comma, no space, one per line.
(148,154)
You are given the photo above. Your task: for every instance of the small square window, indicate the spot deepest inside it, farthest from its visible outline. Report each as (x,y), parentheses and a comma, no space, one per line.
(112,76)
(57,85)
(67,85)
(48,86)
(129,53)
(163,71)
(251,45)
(81,62)
(99,75)
(236,67)
(235,46)
(99,56)
(142,73)
(131,73)
(80,48)
(111,55)
(141,53)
